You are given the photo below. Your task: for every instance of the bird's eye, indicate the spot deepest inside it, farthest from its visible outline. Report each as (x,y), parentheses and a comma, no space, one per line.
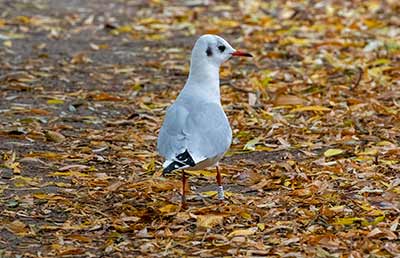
(221,48)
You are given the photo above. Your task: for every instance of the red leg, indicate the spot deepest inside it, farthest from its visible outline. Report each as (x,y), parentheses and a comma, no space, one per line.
(184,181)
(221,195)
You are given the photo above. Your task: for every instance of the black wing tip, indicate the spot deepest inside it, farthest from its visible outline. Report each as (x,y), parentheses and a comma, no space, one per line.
(184,160)
(171,167)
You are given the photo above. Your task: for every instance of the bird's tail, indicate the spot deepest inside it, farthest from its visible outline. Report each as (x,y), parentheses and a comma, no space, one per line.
(174,165)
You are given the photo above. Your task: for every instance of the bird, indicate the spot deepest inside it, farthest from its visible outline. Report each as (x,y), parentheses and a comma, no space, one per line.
(196,133)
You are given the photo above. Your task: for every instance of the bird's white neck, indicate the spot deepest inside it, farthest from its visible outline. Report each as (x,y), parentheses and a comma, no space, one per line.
(203,80)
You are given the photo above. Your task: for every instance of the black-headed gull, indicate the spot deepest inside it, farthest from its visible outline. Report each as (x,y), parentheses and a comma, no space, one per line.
(196,132)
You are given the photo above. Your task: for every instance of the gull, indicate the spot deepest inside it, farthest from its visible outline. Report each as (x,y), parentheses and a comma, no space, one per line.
(196,133)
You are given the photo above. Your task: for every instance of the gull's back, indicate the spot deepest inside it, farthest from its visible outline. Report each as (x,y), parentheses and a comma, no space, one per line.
(197,126)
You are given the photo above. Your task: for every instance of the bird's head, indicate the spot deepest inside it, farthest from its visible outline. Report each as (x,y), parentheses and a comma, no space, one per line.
(215,50)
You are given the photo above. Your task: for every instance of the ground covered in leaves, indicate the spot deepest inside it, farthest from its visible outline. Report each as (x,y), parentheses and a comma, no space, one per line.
(314,165)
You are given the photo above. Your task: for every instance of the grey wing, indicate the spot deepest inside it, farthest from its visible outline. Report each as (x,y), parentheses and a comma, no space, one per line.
(208,130)
(171,139)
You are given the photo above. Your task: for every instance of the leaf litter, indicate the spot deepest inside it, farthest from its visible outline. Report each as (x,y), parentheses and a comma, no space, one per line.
(313,168)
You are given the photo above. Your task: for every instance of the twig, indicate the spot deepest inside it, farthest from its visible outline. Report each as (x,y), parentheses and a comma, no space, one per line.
(357,82)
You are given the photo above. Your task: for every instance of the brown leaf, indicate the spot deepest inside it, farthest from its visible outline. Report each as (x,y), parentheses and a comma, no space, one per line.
(54,136)
(288,100)
(243,232)
(17,227)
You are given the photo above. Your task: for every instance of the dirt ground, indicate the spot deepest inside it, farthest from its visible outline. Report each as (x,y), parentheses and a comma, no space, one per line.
(314,166)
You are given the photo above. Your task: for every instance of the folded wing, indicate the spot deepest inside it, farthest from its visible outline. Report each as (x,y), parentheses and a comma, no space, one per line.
(188,137)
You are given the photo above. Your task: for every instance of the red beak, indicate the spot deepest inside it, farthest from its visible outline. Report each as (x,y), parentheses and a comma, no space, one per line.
(241,53)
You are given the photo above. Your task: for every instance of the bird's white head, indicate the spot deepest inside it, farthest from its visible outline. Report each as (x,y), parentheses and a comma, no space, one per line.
(214,50)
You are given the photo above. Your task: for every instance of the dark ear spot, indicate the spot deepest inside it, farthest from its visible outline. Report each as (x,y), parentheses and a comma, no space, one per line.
(209,51)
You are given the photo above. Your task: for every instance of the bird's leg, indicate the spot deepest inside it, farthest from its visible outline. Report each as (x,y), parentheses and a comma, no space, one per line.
(221,195)
(184,180)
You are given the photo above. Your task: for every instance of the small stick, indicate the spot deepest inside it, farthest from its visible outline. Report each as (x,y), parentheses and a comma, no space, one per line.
(357,82)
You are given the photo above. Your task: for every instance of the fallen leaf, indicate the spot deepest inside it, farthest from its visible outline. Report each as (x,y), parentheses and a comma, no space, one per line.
(251,145)
(310,108)
(243,232)
(169,208)
(332,152)
(17,227)
(209,221)
(288,100)
(55,101)
(54,136)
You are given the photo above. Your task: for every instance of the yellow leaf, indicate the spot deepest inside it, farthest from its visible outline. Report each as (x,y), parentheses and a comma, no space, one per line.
(22,181)
(209,221)
(243,232)
(55,101)
(43,196)
(347,221)
(7,43)
(384,143)
(333,152)
(369,152)
(227,23)
(15,167)
(310,108)
(294,41)
(378,220)
(17,227)
(122,29)
(209,193)
(150,20)
(339,208)
(261,226)
(69,173)
(225,72)
(245,215)
(389,161)
(214,193)
(150,166)
(205,173)
(169,208)
(24,19)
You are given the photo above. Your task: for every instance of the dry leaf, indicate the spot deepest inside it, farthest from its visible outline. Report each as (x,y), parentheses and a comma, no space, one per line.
(209,221)
(288,100)
(54,136)
(243,232)
(332,152)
